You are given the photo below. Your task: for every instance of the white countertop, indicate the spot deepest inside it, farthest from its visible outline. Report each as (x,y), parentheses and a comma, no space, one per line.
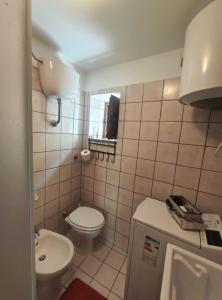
(154,213)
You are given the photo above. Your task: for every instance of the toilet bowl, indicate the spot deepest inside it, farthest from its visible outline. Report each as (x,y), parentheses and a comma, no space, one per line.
(86,224)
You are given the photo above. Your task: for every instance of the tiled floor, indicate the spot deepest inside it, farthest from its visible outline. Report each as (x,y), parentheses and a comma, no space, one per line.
(104,270)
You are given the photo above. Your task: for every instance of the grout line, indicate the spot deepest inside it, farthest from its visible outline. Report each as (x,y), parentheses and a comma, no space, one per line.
(159,141)
(205,147)
(169,121)
(45,203)
(138,144)
(189,188)
(118,271)
(171,184)
(120,164)
(159,161)
(158,132)
(137,152)
(177,155)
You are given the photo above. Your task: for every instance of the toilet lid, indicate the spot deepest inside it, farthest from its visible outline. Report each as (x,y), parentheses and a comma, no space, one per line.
(87,218)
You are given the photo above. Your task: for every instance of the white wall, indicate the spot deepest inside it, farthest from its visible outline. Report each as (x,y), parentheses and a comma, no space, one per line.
(162,66)
(16,231)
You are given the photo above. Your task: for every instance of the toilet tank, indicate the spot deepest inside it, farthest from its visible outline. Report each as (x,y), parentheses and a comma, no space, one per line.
(57,78)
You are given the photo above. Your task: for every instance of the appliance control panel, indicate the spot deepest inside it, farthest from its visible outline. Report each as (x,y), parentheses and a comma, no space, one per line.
(211,236)
(211,221)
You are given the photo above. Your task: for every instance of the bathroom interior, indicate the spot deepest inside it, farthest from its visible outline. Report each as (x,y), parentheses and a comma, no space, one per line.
(119,182)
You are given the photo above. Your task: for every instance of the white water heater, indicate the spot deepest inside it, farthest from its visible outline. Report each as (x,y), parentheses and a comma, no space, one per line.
(58,79)
(201,78)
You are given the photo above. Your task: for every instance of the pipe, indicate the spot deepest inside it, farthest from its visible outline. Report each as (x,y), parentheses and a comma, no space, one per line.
(54,123)
(37,59)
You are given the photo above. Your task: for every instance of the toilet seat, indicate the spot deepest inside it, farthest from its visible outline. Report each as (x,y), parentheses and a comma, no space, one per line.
(86,219)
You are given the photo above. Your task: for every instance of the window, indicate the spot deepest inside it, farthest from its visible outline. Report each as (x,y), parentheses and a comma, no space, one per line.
(103,116)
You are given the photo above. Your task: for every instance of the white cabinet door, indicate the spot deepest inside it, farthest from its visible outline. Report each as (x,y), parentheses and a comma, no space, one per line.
(189,276)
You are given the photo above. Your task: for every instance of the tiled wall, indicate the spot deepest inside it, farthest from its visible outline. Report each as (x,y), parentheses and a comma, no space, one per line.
(56,175)
(164,147)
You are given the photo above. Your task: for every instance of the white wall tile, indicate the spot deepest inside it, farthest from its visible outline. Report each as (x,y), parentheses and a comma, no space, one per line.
(52,142)
(38,122)
(38,161)
(52,176)
(52,159)
(39,144)
(38,101)
(66,141)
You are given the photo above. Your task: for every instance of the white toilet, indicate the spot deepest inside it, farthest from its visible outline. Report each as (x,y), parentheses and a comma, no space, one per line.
(86,224)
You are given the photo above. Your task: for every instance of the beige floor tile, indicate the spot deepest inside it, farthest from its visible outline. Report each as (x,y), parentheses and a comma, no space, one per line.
(119,285)
(61,293)
(101,251)
(115,259)
(68,275)
(124,267)
(99,288)
(106,242)
(90,265)
(119,250)
(81,275)
(113,297)
(121,242)
(106,276)
(78,259)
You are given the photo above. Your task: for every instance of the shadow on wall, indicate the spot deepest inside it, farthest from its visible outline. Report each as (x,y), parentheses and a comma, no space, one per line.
(56,175)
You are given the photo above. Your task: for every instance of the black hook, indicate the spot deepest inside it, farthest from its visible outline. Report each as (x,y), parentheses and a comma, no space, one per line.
(97,156)
(113,160)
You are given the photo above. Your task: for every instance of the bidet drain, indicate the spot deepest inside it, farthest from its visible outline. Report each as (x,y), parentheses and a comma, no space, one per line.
(42,257)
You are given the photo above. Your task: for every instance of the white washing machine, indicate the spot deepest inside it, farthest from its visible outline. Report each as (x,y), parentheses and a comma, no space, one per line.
(152,229)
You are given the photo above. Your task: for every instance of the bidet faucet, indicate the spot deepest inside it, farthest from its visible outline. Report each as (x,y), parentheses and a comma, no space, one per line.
(37,234)
(36,230)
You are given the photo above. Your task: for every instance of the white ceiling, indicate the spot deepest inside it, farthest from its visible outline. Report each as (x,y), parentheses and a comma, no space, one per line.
(97,33)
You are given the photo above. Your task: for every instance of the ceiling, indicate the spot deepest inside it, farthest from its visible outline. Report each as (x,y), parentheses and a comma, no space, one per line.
(97,33)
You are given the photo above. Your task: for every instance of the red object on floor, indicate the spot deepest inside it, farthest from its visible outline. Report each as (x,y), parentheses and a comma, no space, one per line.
(78,290)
